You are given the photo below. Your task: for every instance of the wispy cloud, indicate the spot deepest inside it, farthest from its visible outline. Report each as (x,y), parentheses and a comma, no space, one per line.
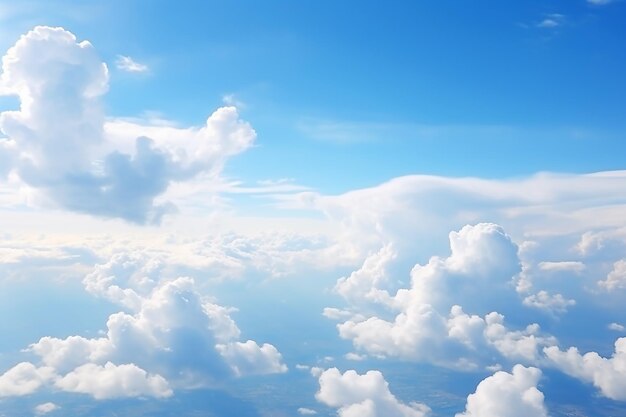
(552,20)
(600,2)
(126,63)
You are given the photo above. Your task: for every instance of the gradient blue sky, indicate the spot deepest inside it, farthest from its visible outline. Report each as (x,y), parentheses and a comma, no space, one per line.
(216,204)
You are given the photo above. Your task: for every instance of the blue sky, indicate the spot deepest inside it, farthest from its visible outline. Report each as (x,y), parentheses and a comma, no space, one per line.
(325,208)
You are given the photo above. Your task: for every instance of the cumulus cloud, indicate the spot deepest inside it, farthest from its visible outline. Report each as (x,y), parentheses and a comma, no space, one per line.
(607,374)
(23,379)
(616,279)
(366,395)
(512,394)
(366,282)
(306,411)
(429,323)
(114,381)
(45,408)
(552,303)
(172,332)
(250,358)
(126,63)
(57,142)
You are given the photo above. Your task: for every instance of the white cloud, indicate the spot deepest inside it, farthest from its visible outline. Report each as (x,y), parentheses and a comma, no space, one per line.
(517,345)
(114,381)
(616,327)
(306,411)
(126,63)
(507,394)
(616,279)
(351,356)
(366,282)
(364,395)
(480,269)
(45,408)
(552,303)
(535,207)
(552,20)
(600,2)
(23,379)
(249,358)
(562,266)
(173,332)
(59,145)
(548,23)
(607,374)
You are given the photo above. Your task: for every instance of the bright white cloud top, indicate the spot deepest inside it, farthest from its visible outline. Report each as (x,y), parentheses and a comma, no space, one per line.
(157,267)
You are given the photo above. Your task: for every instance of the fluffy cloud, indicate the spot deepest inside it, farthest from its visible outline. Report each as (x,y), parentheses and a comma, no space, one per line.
(57,142)
(124,277)
(607,374)
(173,333)
(616,279)
(250,358)
(430,323)
(364,395)
(23,379)
(507,394)
(555,304)
(113,381)
(45,408)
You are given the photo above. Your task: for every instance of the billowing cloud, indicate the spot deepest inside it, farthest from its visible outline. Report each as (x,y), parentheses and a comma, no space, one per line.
(616,279)
(512,394)
(607,374)
(173,332)
(57,143)
(247,358)
(366,395)
(429,323)
(23,379)
(170,337)
(114,381)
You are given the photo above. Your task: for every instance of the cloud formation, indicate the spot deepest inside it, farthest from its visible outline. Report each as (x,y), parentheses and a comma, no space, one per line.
(168,336)
(45,408)
(113,381)
(607,374)
(126,63)
(364,395)
(512,394)
(57,144)
(430,323)
(23,379)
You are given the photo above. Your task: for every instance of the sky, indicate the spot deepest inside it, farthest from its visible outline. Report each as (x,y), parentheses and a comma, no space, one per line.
(284,208)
